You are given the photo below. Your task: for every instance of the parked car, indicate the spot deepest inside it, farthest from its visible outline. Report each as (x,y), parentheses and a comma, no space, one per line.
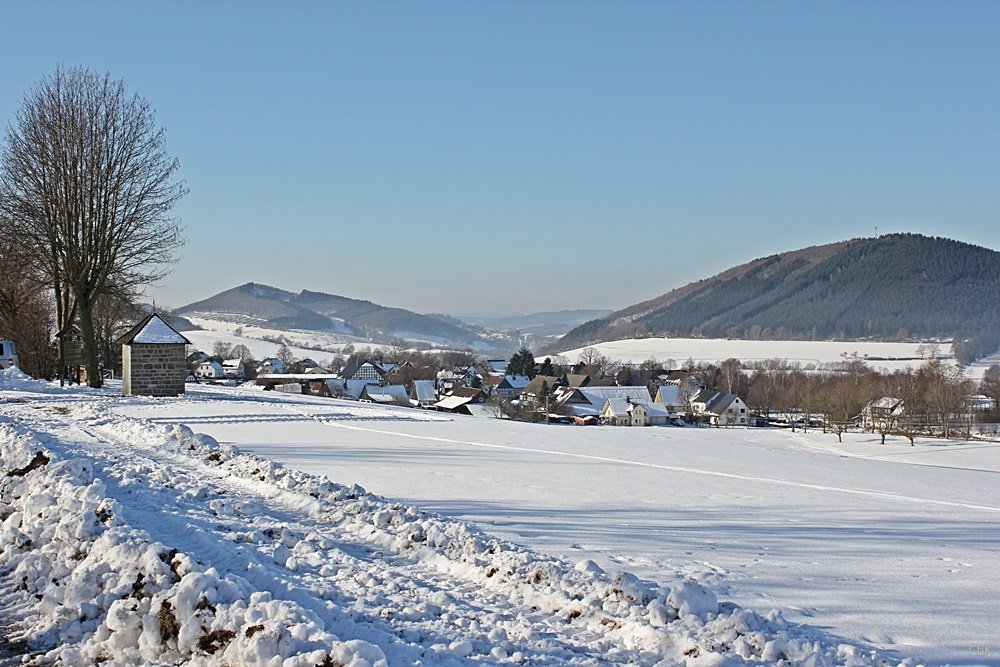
(8,354)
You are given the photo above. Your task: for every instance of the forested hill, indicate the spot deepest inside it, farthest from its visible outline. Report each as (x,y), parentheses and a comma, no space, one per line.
(895,286)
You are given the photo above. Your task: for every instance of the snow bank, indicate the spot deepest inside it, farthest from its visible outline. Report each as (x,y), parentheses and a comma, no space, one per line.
(107,594)
(14,379)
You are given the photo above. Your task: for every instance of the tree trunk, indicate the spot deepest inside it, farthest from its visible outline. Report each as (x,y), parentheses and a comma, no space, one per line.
(94,378)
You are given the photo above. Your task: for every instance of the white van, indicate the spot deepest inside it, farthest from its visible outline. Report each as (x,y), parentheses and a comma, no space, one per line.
(8,354)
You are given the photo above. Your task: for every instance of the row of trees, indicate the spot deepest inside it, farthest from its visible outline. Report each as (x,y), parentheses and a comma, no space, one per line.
(86,190)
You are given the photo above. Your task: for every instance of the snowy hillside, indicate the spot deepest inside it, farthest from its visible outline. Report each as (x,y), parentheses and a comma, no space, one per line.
(328,315)
(130,538)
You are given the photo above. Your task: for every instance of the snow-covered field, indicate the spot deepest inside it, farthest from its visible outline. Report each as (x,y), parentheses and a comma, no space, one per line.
(805,352)
(312,344)
(134,539)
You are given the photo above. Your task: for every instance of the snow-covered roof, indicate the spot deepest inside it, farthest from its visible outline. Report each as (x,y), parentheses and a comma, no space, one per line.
(480,410)
(353,388)
(581,410)
(886,403)
(273,363)
(517,381)
(598,395)
(655,409)
(616,407)
(577,379)
(669,394)
(153,330)
(452,402)
(393,393)
(232,363)
(715,401)
(425,390)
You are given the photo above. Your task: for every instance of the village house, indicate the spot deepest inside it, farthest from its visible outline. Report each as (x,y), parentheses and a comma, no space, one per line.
(511,385)
(590,400)
(390,394)
(364,369)
(574,380)
(341,388)
(882,412)
(459,398)
(209,370)
(720,408)
(303,366)
(535,391)
(196,358)
(424,393)
(270,366)
(623,412)
(233,368)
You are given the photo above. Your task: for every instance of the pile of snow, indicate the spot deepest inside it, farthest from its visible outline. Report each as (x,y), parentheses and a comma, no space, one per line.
(97,588)
(105,591)
(14,379)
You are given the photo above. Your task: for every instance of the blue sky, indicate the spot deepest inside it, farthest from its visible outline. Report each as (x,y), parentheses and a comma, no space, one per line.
(524,156)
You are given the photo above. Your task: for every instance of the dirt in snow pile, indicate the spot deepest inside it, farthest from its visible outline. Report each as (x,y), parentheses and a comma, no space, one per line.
(126,542)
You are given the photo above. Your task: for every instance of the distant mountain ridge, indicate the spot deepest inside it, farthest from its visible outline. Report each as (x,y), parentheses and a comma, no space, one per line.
(279,309)
(553,323)
(891,287)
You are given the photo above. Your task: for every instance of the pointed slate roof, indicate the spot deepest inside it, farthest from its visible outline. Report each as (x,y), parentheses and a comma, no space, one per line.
(153,330)
(424,390)
(714,400)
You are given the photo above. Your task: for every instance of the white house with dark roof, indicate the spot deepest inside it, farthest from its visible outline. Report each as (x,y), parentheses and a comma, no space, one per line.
(209,370)
(882,412)
(623,412)
(233,368)
(721,408)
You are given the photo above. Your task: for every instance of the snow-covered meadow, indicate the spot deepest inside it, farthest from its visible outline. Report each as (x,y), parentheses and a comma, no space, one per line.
(879,355)
(488,542)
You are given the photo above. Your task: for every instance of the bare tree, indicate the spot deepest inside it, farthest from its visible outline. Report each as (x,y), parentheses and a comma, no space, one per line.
(944,393)
(25,310)
(115,312)
(86,181)
(222,349)
(286,356)
(241,352)
(731,373)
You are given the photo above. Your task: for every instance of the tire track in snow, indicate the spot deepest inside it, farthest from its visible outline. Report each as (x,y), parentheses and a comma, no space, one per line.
(885,495)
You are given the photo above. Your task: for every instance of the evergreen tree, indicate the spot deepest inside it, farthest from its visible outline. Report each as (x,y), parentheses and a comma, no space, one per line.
(522,363)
